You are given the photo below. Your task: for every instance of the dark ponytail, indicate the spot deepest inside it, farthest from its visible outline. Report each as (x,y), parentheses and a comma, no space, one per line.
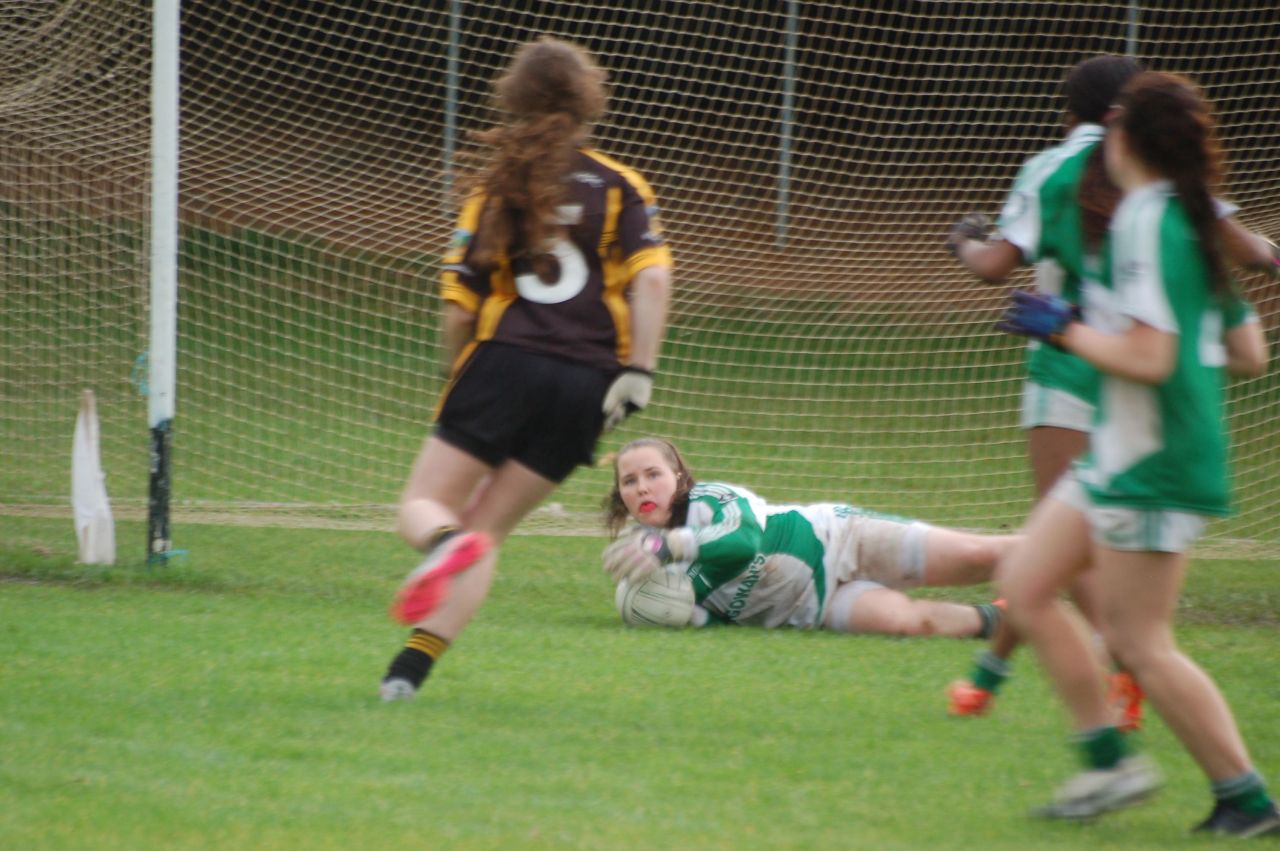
(1170,128)
(1097,198)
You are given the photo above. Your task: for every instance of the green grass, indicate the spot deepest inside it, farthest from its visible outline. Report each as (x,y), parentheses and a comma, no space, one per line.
(228,702)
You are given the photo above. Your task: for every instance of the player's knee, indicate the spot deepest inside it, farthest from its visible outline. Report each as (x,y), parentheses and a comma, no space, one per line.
(910,622)
(1137,653)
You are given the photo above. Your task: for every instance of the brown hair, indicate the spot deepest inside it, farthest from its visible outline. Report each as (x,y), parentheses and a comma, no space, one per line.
(550,95)
(1170,128)
(615,511)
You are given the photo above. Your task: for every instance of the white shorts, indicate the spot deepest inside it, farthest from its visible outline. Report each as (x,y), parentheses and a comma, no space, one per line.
(1045,406)
(876,552)
(1154,530)
(838,617)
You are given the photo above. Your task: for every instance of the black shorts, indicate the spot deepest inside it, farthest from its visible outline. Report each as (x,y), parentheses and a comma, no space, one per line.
(509,403)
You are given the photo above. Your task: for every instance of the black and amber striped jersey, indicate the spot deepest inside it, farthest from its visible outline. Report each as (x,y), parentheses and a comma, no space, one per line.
(571,300)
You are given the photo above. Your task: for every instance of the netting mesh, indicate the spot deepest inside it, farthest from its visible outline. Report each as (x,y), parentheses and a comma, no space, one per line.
(822,345)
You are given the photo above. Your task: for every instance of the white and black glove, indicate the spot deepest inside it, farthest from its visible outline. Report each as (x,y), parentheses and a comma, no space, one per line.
(973,226)
(628,393)
(635,556)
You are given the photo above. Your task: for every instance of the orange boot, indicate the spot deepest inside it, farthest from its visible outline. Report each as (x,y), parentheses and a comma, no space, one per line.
(967,699)
(1126,697)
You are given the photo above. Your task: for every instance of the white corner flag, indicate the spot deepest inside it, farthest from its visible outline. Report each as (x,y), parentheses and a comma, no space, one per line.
(94,525)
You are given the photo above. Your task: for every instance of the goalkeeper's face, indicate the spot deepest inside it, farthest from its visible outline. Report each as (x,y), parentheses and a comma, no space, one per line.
(647,483)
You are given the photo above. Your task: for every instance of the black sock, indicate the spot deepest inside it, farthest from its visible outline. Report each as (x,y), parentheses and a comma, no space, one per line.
(414,662)
(439,536)
(990,614)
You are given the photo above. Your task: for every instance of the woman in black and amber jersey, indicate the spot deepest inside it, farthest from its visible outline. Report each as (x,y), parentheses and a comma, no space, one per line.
(555,292)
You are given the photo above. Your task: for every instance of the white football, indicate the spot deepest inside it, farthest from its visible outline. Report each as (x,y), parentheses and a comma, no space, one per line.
(663,598)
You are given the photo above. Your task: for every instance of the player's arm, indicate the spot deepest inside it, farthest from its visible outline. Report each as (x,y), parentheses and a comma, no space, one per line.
(462,288)
(723,545)
(648,260)
(993,252)
(1247,353)
(1247,249)
(729,539)
(457,328)
(1143,353)
(1244,340)
(650,301)
(992,259)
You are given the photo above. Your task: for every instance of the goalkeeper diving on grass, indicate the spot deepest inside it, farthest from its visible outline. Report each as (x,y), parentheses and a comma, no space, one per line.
(717,553)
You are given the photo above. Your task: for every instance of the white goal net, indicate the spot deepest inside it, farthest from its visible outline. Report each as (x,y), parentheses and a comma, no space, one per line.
(808,158)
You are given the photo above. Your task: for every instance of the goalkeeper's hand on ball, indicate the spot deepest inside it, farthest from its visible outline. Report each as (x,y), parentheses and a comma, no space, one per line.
(1039,315)
(635,556)
(639,554)
(628,393)
(973,226)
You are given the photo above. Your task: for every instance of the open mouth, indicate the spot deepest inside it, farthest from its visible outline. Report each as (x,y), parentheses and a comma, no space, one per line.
(647,506)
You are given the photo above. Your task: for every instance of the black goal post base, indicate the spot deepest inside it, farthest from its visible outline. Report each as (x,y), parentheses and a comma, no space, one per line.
(158,541)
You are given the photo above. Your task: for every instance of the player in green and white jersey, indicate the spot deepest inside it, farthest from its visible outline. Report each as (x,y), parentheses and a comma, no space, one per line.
(1040,225)
(1056,217)
(829,565)
(1157,470)
(1046,222)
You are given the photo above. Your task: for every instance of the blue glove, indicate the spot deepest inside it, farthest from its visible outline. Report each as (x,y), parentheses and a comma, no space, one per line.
(1038,315)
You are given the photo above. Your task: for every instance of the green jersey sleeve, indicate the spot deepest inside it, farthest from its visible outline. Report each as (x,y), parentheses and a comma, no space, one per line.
(723,534)
(1236,310)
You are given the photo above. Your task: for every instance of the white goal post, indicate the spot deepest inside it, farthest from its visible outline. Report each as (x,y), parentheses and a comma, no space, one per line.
(808,158)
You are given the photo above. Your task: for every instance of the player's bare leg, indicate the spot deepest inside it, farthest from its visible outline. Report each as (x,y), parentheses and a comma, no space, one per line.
(513,491)
(1030,579)
(1050,450)
(952,557)
(885,611)
(442,483)
(1138,593)
(459,510)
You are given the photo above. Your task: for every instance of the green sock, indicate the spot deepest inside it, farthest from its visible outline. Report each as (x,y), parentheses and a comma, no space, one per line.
(989,671)
(1102,747)
(1246,792)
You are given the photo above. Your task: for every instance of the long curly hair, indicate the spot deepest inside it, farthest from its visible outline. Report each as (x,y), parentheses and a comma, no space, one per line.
(1169,126)
(550,96)
(615,511)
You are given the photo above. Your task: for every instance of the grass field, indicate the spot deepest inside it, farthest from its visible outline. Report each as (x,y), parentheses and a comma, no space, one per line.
(228,701)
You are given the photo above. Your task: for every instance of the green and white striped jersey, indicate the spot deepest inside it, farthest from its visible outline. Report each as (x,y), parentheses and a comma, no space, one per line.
(1161,446)
(760,564)
(1041,216)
